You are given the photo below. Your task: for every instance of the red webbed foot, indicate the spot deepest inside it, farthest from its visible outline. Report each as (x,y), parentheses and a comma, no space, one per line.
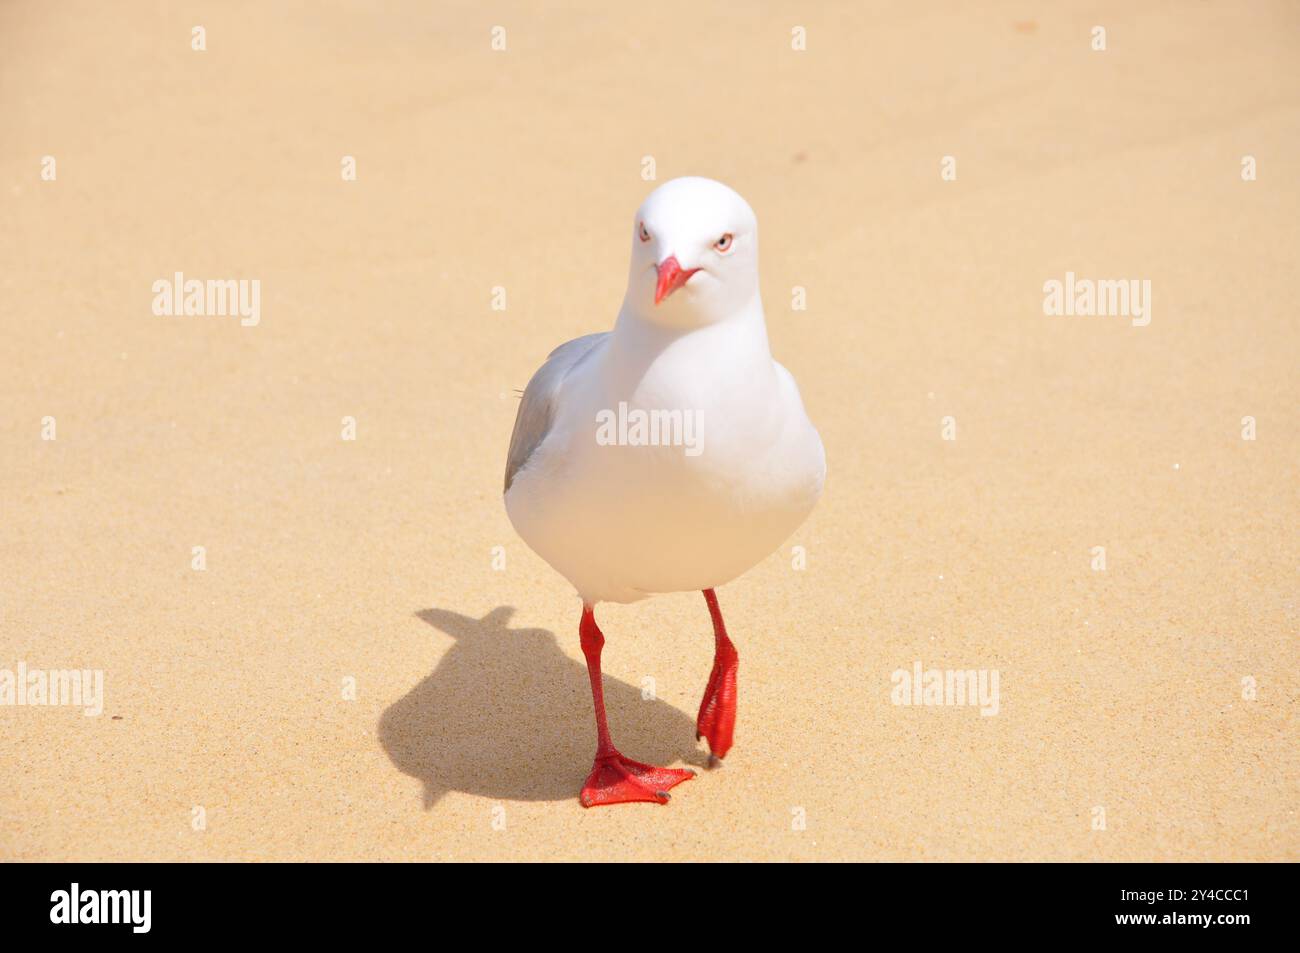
(717,718)
(615,779)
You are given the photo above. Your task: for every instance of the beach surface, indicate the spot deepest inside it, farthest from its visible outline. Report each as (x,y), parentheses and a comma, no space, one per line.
(317,647)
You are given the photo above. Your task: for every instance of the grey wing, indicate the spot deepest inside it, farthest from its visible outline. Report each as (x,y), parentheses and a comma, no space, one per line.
(537,408)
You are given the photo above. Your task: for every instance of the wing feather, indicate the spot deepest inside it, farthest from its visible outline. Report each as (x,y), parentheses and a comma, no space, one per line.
(537,406)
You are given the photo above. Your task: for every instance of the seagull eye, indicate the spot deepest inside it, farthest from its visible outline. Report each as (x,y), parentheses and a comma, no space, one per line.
(723,244)
(645,236)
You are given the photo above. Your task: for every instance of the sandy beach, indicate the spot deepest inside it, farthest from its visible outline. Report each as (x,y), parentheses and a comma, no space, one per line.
(281,541)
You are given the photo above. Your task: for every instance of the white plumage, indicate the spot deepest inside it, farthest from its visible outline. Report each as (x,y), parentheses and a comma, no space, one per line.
(737,465)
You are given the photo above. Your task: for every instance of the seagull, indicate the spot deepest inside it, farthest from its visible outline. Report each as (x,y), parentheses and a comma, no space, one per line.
(670,454)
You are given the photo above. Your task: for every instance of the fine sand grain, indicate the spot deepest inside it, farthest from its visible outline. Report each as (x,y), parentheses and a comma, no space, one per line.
(1125,693)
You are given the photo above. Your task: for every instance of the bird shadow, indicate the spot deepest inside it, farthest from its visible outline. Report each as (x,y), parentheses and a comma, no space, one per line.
(507,714)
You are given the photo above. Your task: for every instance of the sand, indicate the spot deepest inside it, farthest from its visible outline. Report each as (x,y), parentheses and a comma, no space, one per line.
(356,674)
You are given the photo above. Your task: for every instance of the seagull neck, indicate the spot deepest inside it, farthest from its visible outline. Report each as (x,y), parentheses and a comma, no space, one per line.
(740,336)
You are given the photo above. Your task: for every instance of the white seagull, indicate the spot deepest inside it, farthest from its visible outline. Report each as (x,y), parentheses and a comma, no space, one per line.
(670,454)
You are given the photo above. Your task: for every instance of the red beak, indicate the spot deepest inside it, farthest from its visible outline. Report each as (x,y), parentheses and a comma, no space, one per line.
(671,277)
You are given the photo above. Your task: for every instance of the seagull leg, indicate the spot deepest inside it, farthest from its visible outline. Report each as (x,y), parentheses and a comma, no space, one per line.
(717,720)
(615,779)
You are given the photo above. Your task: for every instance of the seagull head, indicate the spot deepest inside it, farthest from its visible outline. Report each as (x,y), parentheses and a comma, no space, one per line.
(694,254)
